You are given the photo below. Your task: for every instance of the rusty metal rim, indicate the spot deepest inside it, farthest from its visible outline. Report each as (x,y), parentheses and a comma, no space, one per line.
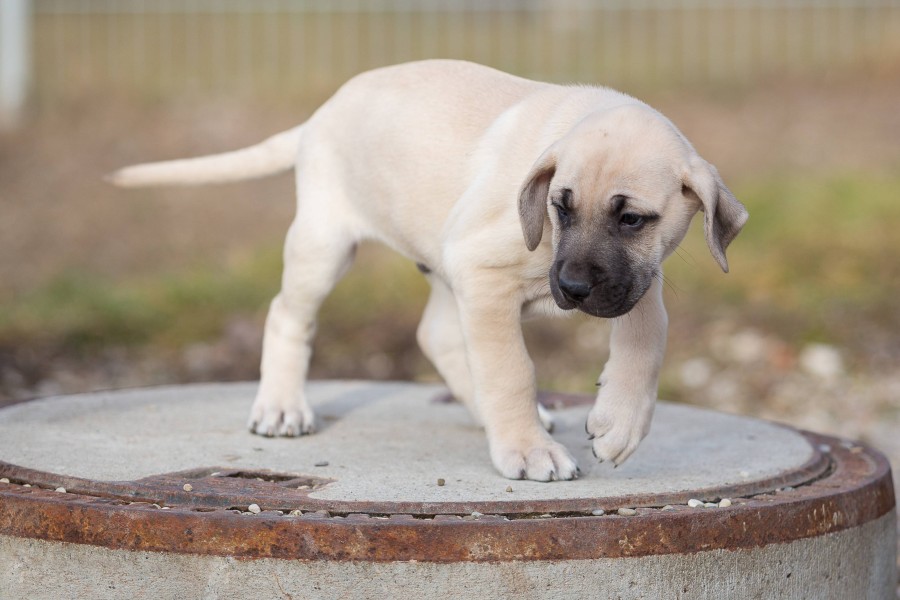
(210,492)
(856,490)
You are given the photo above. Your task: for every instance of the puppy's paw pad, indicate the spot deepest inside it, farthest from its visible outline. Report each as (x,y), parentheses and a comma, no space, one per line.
(544,461)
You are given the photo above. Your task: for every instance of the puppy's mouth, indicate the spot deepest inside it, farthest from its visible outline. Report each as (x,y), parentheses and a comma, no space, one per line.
(606,299)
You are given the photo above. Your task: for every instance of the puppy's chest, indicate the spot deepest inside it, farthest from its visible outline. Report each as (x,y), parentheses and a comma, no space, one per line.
(537,300)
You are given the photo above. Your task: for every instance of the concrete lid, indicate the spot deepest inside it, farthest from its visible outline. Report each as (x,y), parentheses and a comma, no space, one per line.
(387,445)
(173,470)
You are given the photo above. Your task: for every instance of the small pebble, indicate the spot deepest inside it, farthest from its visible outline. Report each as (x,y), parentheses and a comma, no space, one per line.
(546,516)
(156,506)
(165,508)
(254,508)
(710,504)
(304,487)
(598,512)
(26,485)
(477,514)
(322,463)
(822,361)
(668,507)
(441,482)
(627,512)
(187,487)
(694,503)
(61,490)
(509,488)
(4,480)
(724,503)
(296,512)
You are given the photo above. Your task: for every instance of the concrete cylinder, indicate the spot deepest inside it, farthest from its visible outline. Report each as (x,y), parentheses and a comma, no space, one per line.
(161,493)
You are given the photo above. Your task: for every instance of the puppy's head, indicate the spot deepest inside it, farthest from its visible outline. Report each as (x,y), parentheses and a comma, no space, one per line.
(619,190)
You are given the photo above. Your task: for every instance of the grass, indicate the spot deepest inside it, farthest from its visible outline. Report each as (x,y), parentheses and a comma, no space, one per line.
(815,249)
(79,311)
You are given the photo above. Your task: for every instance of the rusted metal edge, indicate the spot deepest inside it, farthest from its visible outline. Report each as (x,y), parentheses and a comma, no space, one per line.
(857,490)
(222,488)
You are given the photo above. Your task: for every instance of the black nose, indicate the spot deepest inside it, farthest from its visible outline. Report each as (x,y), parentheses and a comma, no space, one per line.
(574,290)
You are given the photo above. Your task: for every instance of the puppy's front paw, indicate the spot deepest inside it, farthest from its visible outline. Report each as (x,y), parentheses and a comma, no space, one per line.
(278,419)
(617,425)
(541,459)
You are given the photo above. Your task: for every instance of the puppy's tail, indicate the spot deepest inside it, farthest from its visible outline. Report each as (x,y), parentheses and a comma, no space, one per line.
(273,155)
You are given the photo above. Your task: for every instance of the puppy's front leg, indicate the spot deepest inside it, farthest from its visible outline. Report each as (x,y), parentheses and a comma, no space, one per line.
(504,386)
(622,412)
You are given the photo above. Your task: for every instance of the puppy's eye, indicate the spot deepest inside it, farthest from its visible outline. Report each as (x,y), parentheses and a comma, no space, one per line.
(563,213)
(631,220)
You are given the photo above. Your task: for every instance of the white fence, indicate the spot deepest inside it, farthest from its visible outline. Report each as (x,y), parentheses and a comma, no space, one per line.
(164,47)
(15,60)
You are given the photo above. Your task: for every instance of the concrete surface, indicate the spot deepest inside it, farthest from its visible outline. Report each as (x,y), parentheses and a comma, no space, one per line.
(384,442)
(855,564)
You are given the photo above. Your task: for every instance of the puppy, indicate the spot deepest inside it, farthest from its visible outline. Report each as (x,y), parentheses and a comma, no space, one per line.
(515,198)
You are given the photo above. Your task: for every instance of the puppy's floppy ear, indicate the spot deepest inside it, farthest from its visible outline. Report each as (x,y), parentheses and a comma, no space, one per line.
(533,199)
(724,216)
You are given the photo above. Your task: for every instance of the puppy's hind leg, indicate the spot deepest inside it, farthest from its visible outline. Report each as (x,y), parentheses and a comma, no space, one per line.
(441,339)
(316,255)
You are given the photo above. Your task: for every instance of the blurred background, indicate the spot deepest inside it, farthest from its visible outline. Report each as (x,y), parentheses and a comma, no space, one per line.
(796,101)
